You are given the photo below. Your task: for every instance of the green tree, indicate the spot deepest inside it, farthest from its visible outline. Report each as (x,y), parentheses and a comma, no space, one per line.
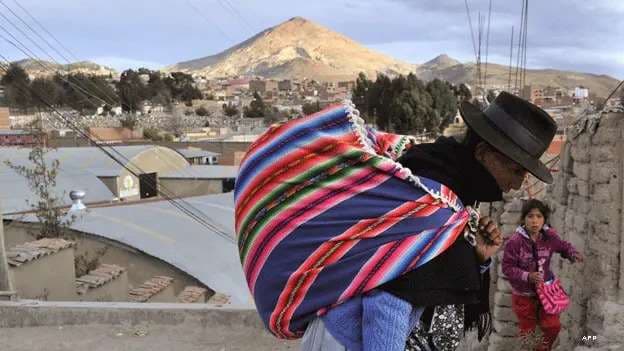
(157,90)
(202,111)
(41,178)
(152,133)
(463,93)
(230,110)
(381,99)
(360,96)
(103,90)
(444,102)
(74,95)
(16,87)
(309,108)
(273,115)
(182,87)
(41,175)
(403,114)
(48,90)
(131,90)
(256,108)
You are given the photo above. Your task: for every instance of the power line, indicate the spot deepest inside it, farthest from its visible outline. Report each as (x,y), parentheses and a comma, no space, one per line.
(163,190)
(38,61)
(526,32)
(520,49)
(487,46)
(45,30)
(237,14)
(510,58)
(112,99)
(47,68)
(184,207)
(32,30)
(474,44)
(208,20)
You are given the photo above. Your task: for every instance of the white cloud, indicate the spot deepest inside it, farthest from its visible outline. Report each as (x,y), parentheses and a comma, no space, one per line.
(569,34)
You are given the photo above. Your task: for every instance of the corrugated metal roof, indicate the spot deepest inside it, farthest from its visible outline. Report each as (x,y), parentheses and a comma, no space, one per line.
(86,159)
(16,195)
(203,172)
(194,153)
(160,230)
(14,132)
(79,168)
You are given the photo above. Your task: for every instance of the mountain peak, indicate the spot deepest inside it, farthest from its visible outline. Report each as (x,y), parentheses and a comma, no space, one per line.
(296,24)
(442,60)
(297,47)
(298,19)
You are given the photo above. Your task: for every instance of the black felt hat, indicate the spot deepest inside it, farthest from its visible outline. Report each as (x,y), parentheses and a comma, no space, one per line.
(516,128)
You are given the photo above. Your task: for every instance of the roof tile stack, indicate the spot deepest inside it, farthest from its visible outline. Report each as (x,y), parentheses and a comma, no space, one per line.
(219,299)
(192,294)
(98,277)
(33,250)
(150,288)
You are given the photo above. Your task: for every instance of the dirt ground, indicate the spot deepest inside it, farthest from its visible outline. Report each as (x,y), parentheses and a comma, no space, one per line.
(138,338)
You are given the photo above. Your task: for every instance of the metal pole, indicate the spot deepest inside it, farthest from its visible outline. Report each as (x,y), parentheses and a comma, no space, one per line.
(6,288)
(620,163)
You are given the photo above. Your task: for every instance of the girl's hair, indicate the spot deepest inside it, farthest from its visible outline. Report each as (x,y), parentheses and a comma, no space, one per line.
(535,203)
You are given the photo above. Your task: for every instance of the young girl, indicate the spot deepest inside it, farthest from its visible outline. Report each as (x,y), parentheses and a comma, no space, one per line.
(526,262)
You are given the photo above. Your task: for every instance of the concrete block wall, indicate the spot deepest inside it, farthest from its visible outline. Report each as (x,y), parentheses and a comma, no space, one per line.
(46,277)
(586,199)
(588,205)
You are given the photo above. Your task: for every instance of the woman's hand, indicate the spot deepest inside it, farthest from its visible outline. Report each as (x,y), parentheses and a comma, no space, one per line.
(536,277)
(489,239)
(578,257)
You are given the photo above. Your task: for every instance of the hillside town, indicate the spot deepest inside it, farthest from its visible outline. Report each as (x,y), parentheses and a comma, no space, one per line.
(121,191)
(222,110)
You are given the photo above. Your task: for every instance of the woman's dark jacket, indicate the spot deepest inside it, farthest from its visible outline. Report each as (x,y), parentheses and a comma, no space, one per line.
(453,277)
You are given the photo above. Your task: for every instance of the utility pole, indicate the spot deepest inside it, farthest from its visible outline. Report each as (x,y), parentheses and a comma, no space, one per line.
(6,288)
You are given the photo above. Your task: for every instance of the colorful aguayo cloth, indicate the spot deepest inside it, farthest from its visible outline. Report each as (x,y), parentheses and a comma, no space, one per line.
(324,213)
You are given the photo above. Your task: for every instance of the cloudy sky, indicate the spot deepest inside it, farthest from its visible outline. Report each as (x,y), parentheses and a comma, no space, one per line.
(581,35)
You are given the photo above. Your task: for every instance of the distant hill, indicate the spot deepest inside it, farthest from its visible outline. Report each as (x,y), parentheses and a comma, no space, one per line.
(299,48)
(296,48)
(41,68)
(439,63)
(497,75)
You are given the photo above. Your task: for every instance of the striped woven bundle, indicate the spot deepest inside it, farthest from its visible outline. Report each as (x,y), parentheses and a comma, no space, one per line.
(324,213)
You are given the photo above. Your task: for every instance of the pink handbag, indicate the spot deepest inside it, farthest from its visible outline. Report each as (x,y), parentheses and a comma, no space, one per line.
(552,296)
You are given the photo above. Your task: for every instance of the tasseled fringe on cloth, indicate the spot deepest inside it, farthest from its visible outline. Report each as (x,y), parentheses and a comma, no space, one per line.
(478,315)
